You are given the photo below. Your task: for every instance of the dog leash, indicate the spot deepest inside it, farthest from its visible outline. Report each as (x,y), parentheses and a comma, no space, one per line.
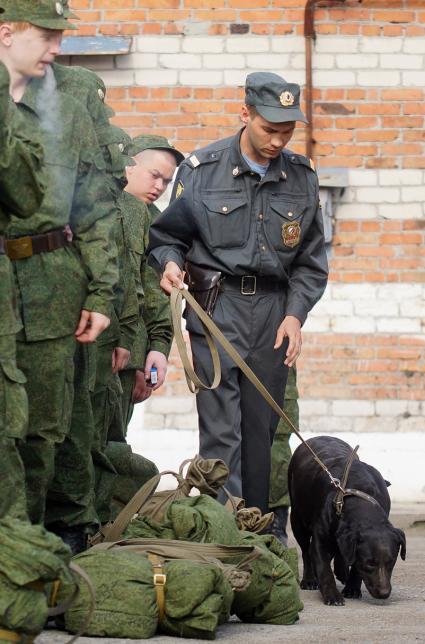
(212,332)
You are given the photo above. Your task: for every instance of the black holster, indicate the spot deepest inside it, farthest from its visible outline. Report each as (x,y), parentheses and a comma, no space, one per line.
(204,285)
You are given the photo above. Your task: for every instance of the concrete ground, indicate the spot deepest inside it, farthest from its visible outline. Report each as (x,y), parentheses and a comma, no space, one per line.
(401,618)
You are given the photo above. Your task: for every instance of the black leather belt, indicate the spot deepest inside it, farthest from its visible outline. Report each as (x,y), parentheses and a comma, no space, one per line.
(23,247)
(2,246)
(251,284)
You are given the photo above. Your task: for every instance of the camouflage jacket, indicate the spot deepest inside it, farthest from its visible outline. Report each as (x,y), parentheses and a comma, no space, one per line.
(155,328)
(21,191)
(89,89)
(53,287)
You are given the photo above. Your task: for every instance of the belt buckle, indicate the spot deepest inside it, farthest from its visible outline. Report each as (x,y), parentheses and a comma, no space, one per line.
(248,285)
(20,248)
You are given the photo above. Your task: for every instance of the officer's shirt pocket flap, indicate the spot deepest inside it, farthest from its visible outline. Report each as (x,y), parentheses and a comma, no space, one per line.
(289,210)
(223,206)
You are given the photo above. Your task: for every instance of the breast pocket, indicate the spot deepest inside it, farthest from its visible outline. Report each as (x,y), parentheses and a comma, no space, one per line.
(226,220)
(284,221)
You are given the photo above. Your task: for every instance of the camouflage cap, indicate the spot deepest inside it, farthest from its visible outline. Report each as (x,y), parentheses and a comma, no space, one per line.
(274,98)
(153,142)
(48,14)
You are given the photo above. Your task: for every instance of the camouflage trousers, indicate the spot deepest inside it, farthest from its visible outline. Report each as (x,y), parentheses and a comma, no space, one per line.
(70,500)
(281,455)
(13,426)
(106,403)
(48,366)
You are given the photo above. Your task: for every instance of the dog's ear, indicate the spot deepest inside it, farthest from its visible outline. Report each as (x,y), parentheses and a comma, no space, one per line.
(387,483)
(402,542)
(347,543)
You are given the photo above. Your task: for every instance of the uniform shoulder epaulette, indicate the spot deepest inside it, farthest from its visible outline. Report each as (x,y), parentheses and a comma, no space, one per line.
(200,157)
(300,159)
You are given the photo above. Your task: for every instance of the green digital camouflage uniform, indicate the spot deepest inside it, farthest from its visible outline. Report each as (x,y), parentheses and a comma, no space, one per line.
(97,390)
(21,192)
(281,452)
(155,331)
(53,287)
(155,327)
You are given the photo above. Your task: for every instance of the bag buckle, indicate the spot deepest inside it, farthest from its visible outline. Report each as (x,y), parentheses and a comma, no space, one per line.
(159,579)
(19,248)
(248,285)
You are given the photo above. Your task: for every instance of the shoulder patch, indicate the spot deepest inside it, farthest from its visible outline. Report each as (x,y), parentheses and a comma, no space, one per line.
(179,189)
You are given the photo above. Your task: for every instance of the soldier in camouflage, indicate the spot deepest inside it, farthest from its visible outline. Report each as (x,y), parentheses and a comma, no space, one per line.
(155,163)
(64,287)
(21,191)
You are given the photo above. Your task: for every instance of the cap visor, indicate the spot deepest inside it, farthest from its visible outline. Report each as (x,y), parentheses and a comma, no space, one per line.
(280,115)
(59,24)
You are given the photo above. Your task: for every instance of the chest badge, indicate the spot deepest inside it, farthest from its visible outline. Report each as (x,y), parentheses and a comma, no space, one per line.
(291,234)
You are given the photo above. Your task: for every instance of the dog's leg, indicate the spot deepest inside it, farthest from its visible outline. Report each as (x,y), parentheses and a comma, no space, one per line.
(322,564)
(354,582)
(340,568)
(303,537)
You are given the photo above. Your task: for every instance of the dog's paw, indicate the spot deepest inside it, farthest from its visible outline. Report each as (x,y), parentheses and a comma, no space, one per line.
(352,593)
(334,600)
(309,584)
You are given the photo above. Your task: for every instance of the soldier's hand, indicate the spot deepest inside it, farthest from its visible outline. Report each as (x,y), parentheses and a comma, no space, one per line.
(120,358)
(141,390)
(90,326)
(172,276)
(291,329)
(159,361)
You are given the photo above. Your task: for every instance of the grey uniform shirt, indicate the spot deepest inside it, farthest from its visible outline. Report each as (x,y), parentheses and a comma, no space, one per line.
(224,217)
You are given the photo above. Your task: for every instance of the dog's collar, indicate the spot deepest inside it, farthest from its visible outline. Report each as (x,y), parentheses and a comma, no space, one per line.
(341,494)
(343,491)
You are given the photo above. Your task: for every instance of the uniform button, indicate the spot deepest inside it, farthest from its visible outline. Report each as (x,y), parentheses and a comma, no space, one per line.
(252,174)
(260,217)
(213,155)
(290,214)
(225,209)
(263,248)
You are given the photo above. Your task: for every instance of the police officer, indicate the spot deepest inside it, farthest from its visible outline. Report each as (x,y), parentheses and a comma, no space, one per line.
(247,208)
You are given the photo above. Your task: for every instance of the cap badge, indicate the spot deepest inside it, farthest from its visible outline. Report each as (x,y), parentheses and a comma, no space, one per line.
(121,147)
(287,99)
(101,93)
(291,234)
(59,8)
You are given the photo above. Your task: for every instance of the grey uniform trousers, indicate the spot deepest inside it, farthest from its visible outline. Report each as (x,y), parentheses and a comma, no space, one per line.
(236,424)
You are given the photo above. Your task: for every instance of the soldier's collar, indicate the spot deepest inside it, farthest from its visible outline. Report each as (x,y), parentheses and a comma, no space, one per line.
(30,98)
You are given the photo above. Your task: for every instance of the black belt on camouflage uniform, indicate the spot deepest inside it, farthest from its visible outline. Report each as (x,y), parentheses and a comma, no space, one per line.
(23,247)
(251,284)
(2,245)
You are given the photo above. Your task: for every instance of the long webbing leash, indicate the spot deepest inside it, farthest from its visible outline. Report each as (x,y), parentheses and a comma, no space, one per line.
(212,333)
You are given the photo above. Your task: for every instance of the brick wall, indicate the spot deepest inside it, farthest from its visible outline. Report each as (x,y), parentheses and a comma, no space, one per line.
(363,355)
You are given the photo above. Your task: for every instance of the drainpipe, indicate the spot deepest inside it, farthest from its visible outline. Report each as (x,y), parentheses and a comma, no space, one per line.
(310,38)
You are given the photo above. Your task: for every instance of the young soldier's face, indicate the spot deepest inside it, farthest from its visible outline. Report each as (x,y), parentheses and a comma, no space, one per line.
(264,140)
(28,53)
(150,177)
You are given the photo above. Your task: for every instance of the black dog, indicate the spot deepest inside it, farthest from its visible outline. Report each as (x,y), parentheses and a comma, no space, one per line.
(362,542)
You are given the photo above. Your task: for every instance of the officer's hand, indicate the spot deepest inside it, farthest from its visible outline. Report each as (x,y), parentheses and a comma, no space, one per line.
(90,326)
(172,276)
(141,391)
(158,360)
(120,358)
(291,329)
